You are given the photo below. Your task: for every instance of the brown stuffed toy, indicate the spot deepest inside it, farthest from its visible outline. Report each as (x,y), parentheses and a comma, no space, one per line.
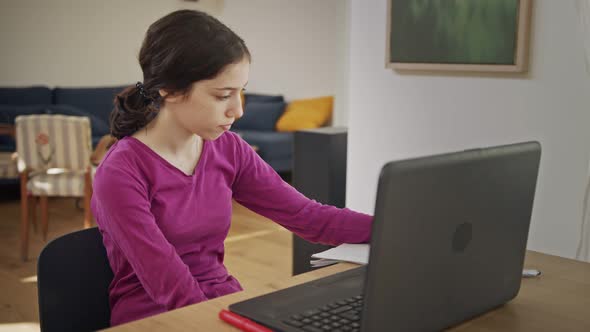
(101,149)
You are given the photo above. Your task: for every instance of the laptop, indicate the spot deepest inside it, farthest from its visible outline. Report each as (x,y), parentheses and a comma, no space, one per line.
(448,243)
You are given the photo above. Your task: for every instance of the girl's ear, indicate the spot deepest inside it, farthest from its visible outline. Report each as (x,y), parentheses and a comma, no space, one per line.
(169,97)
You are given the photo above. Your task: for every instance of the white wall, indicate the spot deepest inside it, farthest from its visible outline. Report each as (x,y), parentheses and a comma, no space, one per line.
(341,101)
(297,46)
(74,43)
(394,116)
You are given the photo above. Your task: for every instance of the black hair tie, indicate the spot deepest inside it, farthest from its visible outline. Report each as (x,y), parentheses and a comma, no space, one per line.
(142,92)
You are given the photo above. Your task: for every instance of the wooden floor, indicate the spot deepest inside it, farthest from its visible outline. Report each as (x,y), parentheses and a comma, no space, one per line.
(257,251)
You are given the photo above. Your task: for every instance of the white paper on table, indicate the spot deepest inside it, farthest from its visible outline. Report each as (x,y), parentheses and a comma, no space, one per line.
(322,262)
(353,253)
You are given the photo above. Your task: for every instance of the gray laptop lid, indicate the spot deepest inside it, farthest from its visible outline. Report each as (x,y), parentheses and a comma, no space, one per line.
(449,237)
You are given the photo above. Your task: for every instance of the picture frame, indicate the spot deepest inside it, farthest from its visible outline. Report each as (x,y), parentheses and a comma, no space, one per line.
(458,35)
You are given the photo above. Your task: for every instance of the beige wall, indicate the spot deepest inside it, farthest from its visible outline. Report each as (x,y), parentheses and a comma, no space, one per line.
(298,46)
(74,43)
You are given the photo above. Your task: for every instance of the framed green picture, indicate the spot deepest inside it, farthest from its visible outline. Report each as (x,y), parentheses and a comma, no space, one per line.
(458,35)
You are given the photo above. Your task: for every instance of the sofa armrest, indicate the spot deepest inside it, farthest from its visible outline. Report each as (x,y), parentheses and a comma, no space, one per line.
(7,130)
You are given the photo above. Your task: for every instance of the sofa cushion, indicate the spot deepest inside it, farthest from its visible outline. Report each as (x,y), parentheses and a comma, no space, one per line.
(260,116)
(281,165)
(25,96)
(96,101)
(306,114)
(9,112)
(99,126)
(7,144)
(271,144)
(258,97)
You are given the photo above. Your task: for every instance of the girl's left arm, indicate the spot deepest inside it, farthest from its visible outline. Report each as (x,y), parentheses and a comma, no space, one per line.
(258,187)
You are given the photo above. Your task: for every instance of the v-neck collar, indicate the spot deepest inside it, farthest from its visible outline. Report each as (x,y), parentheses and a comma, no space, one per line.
(169,164)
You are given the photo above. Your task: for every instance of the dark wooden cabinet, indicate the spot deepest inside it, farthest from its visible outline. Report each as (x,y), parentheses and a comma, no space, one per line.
(319,172)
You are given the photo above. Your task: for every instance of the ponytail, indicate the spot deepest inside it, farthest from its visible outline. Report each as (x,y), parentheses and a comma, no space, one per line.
(134,109)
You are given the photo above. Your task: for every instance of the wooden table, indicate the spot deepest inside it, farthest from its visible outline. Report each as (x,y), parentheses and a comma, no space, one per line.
(7,129)
(559,300)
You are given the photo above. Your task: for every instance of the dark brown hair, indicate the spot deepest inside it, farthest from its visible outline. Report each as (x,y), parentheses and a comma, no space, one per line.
(179,49)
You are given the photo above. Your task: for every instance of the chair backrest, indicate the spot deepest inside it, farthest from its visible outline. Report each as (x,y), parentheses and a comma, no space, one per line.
(53,141)
(73,277)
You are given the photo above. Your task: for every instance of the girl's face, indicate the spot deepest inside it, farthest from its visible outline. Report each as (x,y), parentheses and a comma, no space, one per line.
(212,105)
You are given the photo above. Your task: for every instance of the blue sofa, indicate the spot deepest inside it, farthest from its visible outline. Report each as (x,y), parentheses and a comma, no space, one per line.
(95,103)
(256,126)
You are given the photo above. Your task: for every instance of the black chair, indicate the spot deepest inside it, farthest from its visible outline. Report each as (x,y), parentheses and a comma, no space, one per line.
(73,276)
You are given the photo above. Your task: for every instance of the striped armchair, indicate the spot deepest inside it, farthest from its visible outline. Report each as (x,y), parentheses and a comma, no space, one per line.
(53,160)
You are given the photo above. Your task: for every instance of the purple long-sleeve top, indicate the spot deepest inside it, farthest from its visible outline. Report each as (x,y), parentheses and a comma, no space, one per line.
(164,230)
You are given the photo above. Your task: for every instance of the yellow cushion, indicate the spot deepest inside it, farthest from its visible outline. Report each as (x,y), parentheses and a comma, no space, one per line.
(306,114)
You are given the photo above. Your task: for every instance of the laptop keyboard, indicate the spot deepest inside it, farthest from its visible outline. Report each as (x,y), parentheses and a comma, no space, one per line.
(338,316)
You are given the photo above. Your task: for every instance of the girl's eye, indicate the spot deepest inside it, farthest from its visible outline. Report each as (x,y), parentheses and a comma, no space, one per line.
(223,97)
